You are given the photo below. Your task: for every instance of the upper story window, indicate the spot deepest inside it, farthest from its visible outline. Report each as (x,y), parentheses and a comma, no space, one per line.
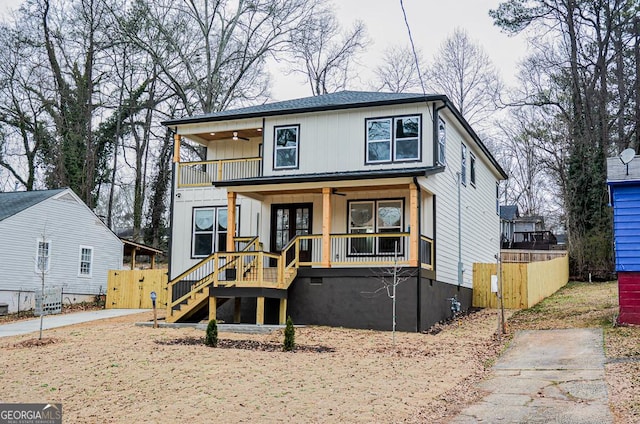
(86,261)
(463,164)
(393,139)
(442,141)
(472,170)
(43,256)
(286,147)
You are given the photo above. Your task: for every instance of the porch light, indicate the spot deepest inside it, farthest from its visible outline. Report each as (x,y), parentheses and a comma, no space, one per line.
(212,133)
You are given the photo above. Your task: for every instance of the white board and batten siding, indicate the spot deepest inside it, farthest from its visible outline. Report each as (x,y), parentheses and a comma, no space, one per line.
(68,224)
(334,141)
(186,201)
(479,222)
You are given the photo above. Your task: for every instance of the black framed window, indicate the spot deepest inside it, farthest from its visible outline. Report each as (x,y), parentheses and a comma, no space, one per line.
(395,139)
(375,216)
(442,142)
(472,169)
(463,164)
(209,230)
(287,139)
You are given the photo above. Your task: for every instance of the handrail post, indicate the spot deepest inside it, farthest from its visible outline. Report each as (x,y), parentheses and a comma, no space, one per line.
(260,268)
(219,165)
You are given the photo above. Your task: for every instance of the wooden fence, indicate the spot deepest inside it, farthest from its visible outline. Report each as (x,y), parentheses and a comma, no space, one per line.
(131,289)
(526,256)
(523,284)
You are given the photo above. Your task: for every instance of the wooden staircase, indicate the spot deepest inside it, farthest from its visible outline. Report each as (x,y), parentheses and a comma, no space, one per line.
(215,270)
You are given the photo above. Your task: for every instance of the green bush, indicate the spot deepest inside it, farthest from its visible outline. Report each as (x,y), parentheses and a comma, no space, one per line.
(211,338)
(289,336)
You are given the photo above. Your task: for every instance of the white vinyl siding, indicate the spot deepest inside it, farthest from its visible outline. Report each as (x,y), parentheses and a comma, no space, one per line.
(86,261)
(68,224)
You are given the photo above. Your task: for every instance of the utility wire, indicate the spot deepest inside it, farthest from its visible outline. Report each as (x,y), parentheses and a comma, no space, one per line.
(413,47)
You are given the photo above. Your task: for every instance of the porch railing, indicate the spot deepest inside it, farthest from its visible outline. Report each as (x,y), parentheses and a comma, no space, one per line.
(369,249)
(206,173)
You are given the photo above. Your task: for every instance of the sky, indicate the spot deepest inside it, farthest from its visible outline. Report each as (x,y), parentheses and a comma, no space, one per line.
(431,22)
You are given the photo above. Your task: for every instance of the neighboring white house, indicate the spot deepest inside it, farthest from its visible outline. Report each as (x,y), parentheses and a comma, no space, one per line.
(53,233)
(328,186)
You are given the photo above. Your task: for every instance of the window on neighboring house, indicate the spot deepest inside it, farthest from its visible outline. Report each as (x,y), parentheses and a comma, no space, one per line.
(210,230)
(463,166)
(286,147)
(43,256)
(472,170)
(86,261)
(442,141)
(393,139)
(375,216)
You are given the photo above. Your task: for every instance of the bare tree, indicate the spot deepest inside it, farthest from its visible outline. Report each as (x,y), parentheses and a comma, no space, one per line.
(399,71)
(325,53)
(462,70)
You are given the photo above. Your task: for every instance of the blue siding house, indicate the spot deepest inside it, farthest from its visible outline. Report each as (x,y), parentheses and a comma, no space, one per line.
(624,187)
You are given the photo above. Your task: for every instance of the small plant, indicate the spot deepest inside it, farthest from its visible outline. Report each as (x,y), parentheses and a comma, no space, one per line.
(211,337)
(289,336)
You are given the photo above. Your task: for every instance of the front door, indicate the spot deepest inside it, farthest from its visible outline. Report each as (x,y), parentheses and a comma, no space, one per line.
(290,220)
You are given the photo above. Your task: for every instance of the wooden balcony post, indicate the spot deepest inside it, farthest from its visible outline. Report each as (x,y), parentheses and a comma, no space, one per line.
(176,148)
(326,227)
(413,225)
(231,220)
(213,305)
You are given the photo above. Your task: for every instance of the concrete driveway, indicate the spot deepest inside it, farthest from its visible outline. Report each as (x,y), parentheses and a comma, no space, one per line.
(546,376)
(53,321)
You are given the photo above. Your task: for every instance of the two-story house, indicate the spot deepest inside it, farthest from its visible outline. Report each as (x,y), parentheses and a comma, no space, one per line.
(306,207)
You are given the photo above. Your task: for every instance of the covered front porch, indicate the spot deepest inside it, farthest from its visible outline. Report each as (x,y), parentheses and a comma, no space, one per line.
(350,225)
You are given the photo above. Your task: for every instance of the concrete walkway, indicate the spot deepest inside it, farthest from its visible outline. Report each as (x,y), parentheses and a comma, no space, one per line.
(546,376)
(53,321)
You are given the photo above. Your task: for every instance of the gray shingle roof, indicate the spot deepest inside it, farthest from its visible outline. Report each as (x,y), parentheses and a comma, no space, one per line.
(14,202)
(509,212)
(339,100)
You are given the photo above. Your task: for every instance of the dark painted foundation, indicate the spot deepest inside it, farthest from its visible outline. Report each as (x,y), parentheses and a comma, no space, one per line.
(357,298)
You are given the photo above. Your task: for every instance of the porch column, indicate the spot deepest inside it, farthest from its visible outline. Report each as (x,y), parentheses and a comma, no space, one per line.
(231,220)
(260,311)
(326,227)
(413,225)
(283,312)
(176,148)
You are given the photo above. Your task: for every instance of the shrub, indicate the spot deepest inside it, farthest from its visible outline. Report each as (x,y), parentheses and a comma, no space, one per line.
(211,338)
(289,336)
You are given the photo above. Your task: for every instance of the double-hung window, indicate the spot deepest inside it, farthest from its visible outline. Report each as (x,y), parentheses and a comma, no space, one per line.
(287,141)
(209,231)
(463,164)
(393,139)
(86,261)
(375,216)
(43,256)
(442,142)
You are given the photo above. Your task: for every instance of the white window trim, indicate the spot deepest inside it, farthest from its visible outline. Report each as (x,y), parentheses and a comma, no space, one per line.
(215,231)
(48,268)
(376,227)
(276,148)
(393,149)
(80,274)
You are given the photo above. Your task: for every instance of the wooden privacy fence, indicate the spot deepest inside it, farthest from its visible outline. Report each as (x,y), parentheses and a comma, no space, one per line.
(131,289)
(523,284)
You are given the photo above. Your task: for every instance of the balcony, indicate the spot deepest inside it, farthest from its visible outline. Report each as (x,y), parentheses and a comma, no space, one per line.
(207,173)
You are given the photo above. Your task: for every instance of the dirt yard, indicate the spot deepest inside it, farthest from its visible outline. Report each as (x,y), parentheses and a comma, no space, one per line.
(113,371)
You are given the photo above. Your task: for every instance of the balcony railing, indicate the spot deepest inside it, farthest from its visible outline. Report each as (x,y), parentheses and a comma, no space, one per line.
(206,173)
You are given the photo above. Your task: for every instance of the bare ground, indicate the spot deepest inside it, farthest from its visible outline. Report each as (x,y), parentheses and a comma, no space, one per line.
(112,371)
